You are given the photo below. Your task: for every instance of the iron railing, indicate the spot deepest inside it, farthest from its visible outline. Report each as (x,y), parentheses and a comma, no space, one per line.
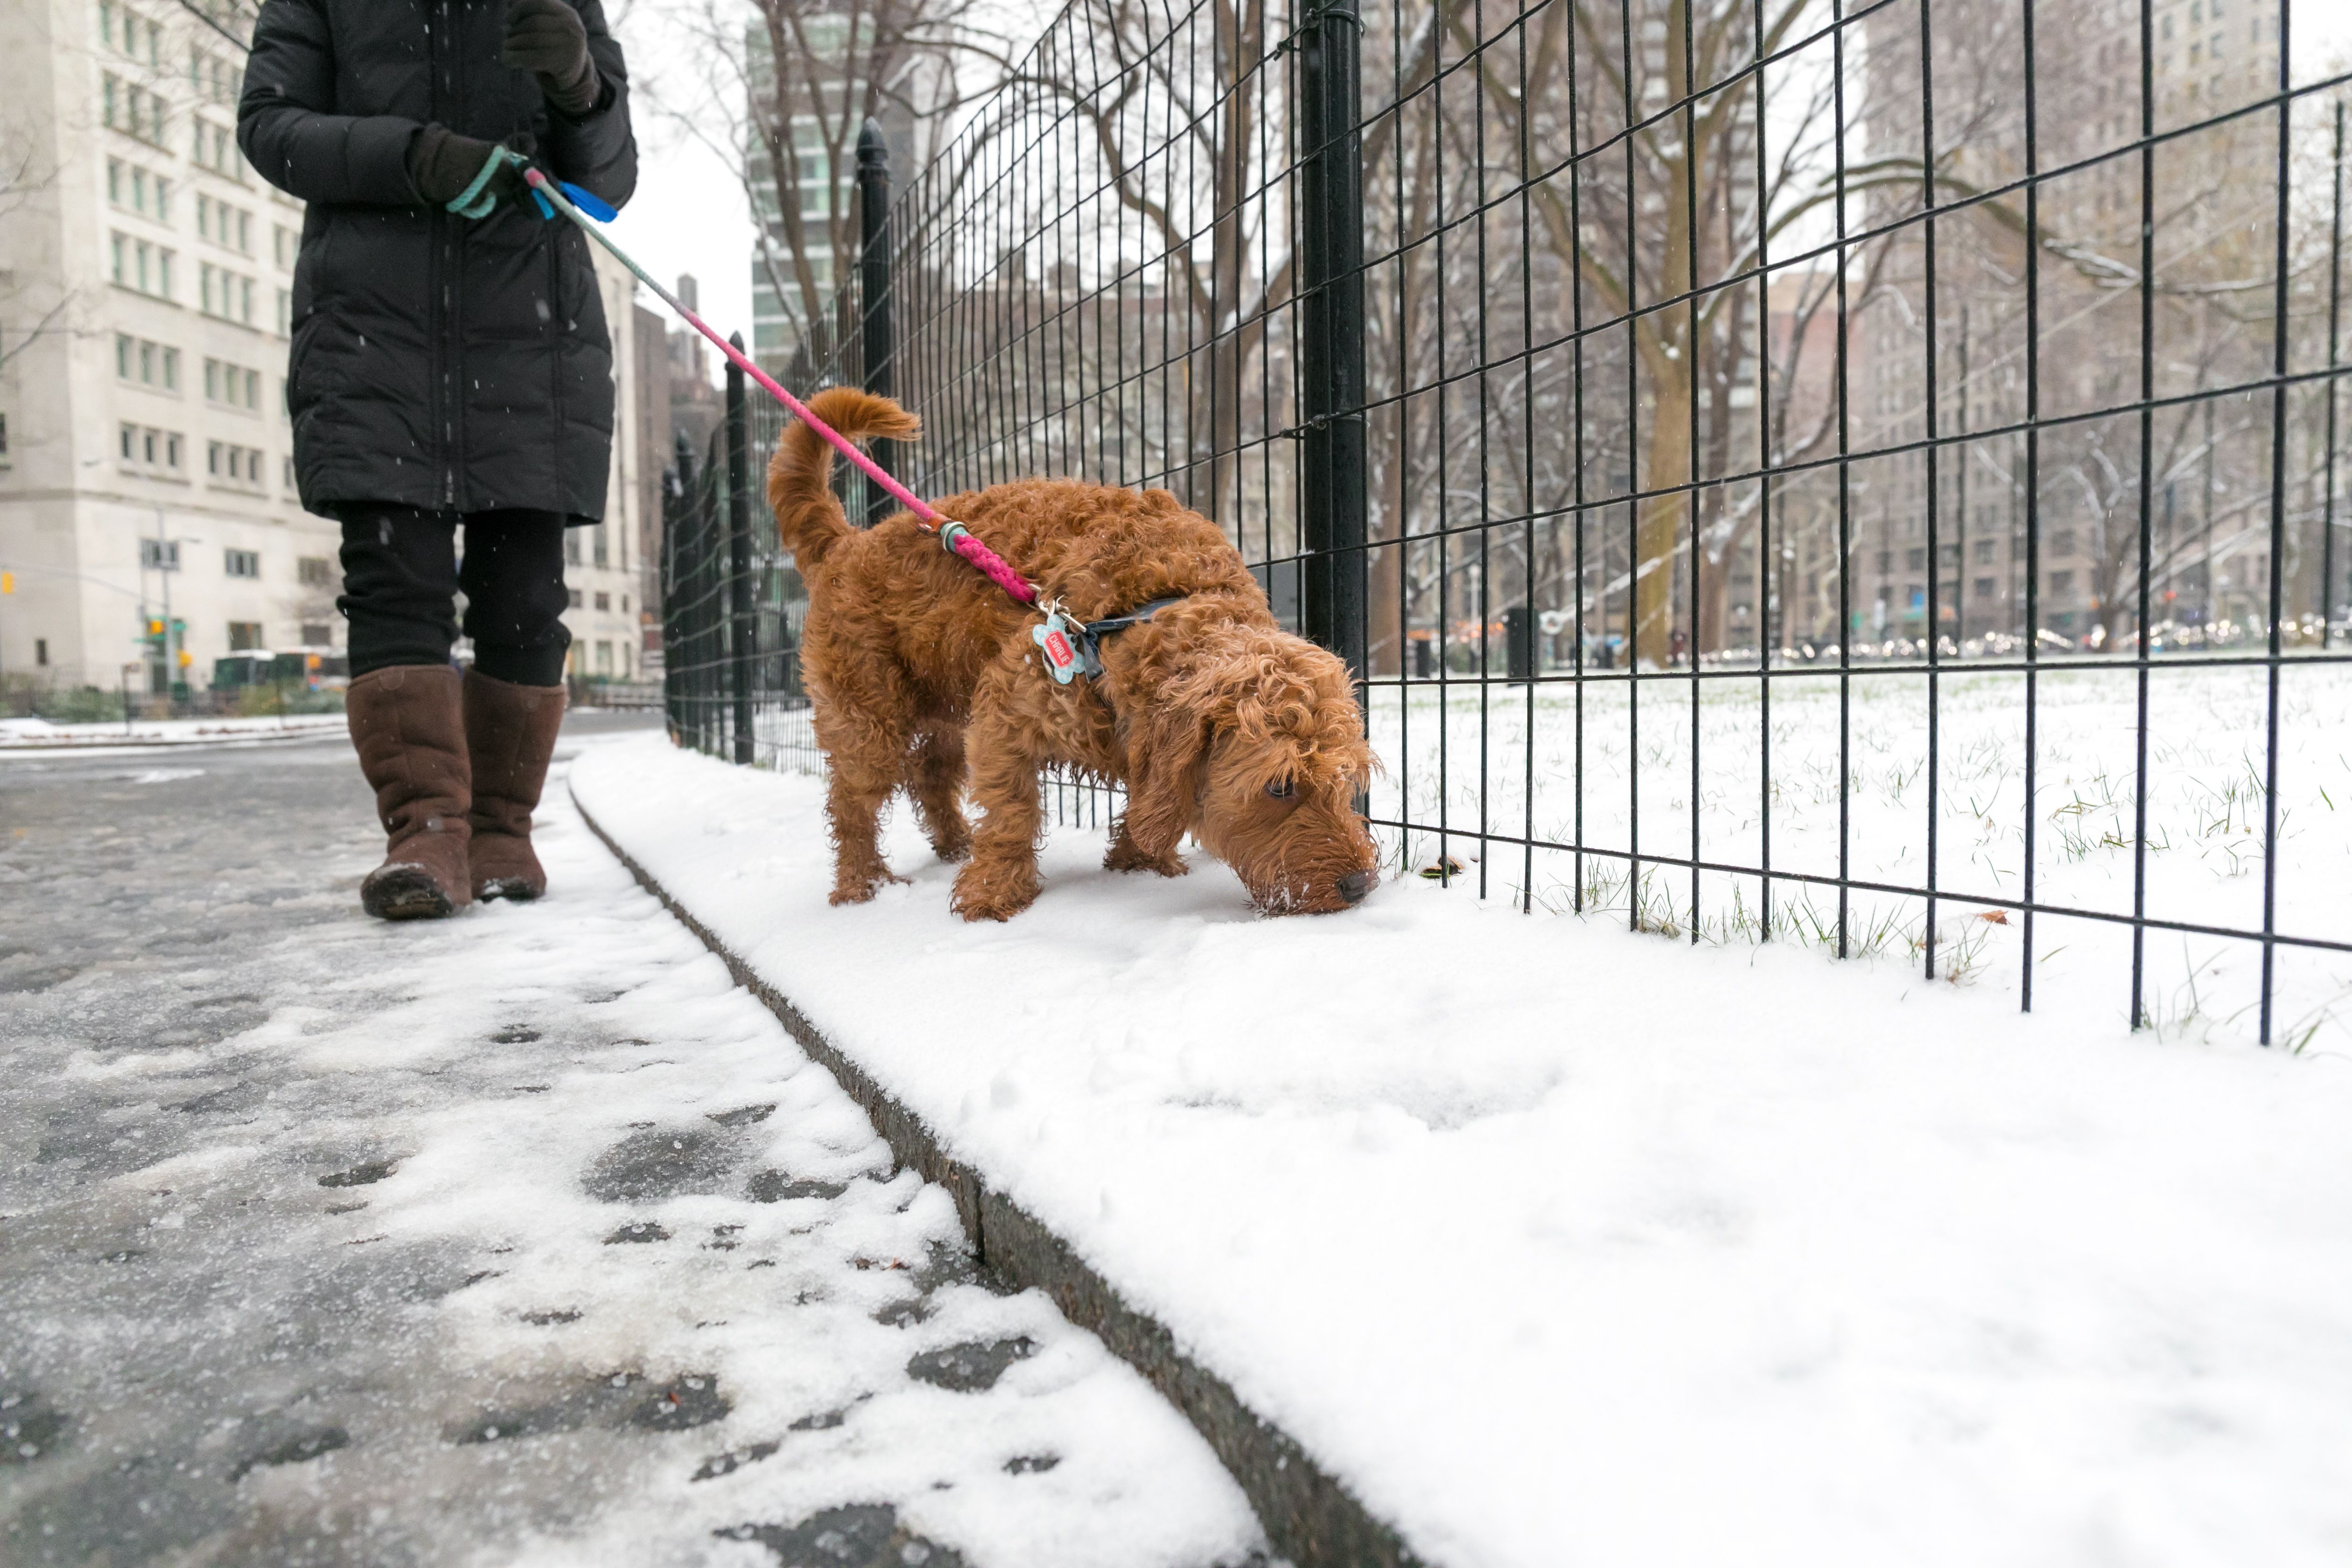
(1864,472)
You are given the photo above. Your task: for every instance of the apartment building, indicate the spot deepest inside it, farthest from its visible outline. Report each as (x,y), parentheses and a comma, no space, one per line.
(2212,217)
(145,284)
(146,467)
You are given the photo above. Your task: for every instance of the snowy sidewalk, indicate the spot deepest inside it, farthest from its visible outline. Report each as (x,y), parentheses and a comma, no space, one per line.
(522,1237)
(40,736)
(1557,1245)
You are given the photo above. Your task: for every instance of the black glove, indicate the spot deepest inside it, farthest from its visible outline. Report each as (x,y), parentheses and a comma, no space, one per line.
(442,164)
(547,37)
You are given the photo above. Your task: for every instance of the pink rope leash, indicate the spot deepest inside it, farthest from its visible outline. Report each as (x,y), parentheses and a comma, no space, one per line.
(956,536)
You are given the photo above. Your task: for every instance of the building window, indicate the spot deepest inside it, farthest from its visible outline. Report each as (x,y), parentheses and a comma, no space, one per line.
(158,555)
(144,446)
(236,465)
(236,386)
(1984,587)
(41,650)
(241,563)
(148,363)
(317,634)
(603,658)
(604,601)
(2062,584)
(244,636)
(141,265)
(575,598)
(315,572)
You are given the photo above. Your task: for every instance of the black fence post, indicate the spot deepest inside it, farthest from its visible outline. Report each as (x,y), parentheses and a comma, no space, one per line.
(739,630)
(1518,642)
(1332,484)
(880,344)
(677,488)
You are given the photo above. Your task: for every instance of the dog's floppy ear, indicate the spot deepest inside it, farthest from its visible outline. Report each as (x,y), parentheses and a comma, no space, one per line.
(1167,757)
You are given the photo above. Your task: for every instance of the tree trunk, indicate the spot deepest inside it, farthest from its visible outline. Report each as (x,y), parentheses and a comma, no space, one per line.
(1662,526)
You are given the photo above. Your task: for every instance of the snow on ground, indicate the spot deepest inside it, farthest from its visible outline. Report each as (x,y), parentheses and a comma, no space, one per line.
(2207,758)
(524,1237)
(41,735)
(1562,1243)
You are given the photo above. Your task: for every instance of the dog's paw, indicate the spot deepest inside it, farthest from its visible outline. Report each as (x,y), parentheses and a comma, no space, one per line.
(976,899)
(1125,856)
(953,850)
(859,891)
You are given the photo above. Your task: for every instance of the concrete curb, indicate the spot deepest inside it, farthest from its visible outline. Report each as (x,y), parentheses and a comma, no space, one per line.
(1311,1518)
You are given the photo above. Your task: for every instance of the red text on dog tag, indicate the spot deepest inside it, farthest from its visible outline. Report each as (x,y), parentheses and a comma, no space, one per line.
(1054,639)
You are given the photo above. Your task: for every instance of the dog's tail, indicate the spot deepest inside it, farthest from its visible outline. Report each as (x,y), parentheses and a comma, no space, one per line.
(800,477)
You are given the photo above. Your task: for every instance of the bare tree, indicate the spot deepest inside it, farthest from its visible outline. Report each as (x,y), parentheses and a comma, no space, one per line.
(789,84)
(27,178)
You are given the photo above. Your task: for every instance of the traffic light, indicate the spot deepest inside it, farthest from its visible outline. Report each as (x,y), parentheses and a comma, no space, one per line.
(7,582)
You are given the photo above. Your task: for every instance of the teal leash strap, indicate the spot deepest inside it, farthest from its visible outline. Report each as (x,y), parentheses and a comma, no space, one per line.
(476,200)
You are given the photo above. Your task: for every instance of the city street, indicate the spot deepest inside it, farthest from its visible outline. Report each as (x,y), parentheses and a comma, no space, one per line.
(521,1236)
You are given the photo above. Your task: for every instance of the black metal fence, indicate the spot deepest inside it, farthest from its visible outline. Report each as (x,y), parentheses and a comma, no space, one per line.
(1861,472)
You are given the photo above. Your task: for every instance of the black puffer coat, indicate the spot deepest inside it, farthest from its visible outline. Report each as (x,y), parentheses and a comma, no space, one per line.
(438,362)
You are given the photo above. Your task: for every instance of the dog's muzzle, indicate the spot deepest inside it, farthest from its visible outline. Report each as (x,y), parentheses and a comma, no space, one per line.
(1355,885)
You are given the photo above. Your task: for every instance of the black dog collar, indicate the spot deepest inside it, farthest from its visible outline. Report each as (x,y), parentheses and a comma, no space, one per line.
(1090,637)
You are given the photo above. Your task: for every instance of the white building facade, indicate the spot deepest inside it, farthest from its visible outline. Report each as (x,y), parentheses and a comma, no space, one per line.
(146,470)
(145,279)
(602,564)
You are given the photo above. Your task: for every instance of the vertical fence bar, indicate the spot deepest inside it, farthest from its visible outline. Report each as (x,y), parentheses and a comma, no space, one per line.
(1332,495)
(676,487)
(879,343)
(2334,323)
(1933,634)
(2032,486)
(739,638)
(2274,647)
(2147,499)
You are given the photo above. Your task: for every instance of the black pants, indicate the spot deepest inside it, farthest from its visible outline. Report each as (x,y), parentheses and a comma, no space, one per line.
(400,574)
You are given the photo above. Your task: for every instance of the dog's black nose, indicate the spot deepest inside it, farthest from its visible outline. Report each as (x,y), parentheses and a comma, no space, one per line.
(1355,884)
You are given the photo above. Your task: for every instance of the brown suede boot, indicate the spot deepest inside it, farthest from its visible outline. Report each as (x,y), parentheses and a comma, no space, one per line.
(410,735)
(510,734)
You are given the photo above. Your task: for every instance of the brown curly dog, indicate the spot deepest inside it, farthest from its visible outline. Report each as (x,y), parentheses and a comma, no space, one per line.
(924,676)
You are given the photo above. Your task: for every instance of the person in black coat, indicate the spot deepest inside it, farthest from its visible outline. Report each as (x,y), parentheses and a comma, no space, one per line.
(446,372)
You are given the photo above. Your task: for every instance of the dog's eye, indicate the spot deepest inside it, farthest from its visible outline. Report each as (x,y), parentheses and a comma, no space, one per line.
(1282,789)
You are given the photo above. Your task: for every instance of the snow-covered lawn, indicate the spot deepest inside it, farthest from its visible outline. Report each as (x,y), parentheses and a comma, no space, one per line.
(2205,862)
(1557,1243)
(39,734)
